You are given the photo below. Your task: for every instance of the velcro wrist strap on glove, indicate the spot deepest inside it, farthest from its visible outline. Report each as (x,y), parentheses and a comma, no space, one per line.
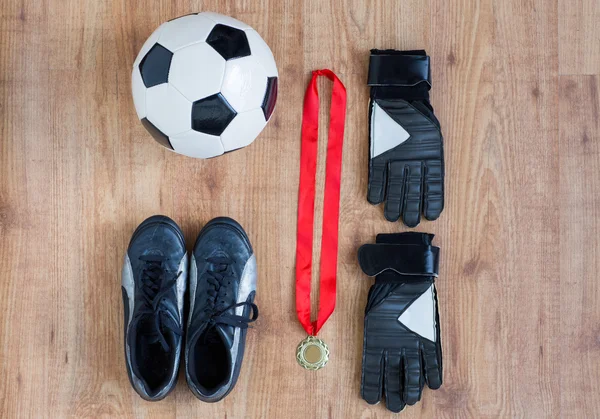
(397,68)
(404,259)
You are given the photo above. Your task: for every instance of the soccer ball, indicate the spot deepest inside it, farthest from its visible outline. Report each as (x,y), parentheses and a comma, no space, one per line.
(204,84)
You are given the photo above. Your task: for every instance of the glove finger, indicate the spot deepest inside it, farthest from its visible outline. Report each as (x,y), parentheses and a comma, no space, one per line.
(372,376)
(413,194)
(432,365)
(433,195)
(413,382)
(393,388)
(395,190)
(377,177)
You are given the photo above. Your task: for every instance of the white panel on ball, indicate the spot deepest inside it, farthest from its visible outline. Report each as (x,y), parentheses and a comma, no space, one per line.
(138,91)
(225,20)
(244,128)
(197,71)
(197,144)
(244,84)
(261,51)
(168,110)
(185,31)
(149,44)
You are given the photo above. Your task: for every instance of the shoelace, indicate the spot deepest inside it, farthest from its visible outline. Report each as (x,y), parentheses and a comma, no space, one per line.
(219,277)
(157,283)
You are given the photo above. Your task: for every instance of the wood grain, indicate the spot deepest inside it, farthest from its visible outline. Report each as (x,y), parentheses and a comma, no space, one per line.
(579,35)
(515,86)
(579,254)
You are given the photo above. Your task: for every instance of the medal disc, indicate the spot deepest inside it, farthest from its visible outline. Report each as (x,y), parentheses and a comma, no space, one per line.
(312,353)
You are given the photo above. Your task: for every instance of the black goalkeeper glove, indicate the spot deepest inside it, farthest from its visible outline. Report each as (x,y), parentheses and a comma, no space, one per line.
(402,350)
(406,166)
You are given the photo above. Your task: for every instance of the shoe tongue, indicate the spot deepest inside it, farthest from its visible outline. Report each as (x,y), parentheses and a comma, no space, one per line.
(222,330)
(147,332)
(145,323)
(210,334)
(148,341)
(146,329)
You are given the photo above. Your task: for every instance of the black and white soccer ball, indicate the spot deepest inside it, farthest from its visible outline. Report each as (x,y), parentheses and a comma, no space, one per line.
(204,84)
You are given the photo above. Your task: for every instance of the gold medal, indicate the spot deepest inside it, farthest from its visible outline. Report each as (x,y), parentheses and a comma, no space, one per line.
(312,353)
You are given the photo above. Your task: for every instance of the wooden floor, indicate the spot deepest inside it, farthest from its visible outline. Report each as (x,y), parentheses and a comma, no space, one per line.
(516,88)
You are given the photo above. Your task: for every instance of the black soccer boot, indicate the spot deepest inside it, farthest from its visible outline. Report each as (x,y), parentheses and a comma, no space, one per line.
(222,290)
(153,285)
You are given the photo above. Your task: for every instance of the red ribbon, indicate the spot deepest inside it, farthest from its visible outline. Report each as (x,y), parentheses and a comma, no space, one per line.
(331,205)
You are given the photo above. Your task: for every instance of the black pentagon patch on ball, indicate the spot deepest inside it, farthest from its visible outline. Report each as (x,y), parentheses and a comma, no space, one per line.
(212,114)
(155,66)
(160,138)
(229,42)
(270,98)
